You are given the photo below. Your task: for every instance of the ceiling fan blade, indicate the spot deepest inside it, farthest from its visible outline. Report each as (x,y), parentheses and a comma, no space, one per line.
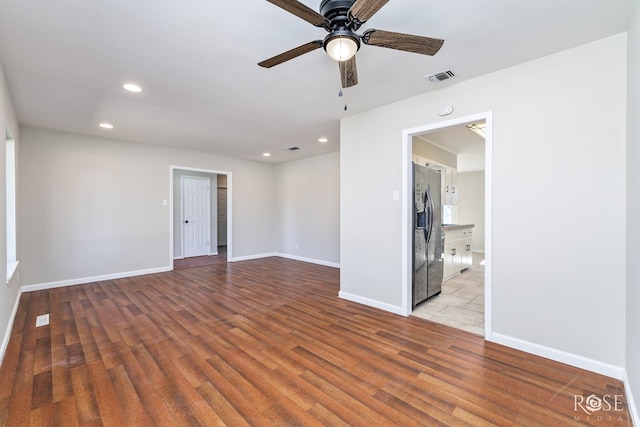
(362,10)
(400,41)
(302,11)
(290,54)
(348,72)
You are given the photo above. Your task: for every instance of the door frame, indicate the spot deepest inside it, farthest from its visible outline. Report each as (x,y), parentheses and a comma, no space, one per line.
(407,193)
(182,200)
(172,169)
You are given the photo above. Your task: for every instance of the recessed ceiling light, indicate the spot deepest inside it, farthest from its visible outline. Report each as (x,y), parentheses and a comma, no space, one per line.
(266,154)
(132,87)
(323,140)
(106,125)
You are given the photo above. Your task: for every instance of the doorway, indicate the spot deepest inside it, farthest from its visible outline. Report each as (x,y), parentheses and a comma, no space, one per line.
(480,271)
(195,217)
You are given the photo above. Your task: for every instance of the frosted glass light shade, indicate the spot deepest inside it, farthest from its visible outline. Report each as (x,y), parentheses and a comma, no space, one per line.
(341,48)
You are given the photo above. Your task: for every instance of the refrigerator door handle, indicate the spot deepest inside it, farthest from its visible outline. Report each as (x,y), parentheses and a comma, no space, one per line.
(429,209)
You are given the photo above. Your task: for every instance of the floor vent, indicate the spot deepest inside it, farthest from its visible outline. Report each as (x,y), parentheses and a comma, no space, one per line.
(42,320)
(442,76)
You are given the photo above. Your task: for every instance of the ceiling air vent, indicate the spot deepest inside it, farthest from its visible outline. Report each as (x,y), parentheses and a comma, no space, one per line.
(293,148)
(442,76)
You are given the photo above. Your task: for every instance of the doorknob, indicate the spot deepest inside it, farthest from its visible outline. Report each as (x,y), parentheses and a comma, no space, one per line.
(186,222)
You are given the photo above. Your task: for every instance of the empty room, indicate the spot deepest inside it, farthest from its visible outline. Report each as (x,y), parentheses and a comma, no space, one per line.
(320,212)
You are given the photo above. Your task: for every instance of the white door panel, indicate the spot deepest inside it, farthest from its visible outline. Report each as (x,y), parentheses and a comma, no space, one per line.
(195,215)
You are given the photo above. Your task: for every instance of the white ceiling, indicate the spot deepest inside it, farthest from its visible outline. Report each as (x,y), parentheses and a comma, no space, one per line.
(461,141)
(66,60)
(456,139)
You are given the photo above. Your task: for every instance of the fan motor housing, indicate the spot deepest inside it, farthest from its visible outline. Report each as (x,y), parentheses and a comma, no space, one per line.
(336,11)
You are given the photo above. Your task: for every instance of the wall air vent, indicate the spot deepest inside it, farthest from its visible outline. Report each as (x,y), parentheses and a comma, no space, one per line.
(442,76)
(293,148)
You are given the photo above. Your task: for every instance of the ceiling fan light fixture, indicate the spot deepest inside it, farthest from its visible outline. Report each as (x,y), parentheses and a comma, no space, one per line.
(479,129)
(341,45)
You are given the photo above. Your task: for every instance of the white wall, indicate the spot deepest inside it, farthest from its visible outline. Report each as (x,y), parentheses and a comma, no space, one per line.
(93,206)
(308,208)
(564,290)
(471,205)
(8,292)
(633,214)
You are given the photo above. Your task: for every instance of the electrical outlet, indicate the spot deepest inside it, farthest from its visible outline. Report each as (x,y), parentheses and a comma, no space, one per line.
(42,320)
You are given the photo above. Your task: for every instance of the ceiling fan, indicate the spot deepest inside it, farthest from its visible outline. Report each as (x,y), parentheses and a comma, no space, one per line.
(341,19)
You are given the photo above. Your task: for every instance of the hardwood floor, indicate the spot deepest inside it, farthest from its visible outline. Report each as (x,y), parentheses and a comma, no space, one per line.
(199,261)
(267,342)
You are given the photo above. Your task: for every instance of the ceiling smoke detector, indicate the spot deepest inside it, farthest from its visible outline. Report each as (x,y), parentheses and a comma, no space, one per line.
(441,76)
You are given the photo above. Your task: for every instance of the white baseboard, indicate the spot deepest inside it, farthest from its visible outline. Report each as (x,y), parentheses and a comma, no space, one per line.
(7,332)
(310,260)
(250,257)
(175,258)
(72,282)
(281,255)
(631,403)
(372,303)
(609,370)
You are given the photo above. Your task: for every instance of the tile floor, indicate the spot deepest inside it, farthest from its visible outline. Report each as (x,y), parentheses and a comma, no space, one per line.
(461,303)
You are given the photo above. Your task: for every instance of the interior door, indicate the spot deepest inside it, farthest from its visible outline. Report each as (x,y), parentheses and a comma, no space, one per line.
(196,213)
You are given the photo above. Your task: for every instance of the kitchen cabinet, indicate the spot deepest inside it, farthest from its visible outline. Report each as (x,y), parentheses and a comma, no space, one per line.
(451,186)
(451,258)
(466,258)
(457,249)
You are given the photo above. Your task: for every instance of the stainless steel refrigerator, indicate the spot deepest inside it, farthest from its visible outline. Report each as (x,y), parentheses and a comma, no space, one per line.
(428,238)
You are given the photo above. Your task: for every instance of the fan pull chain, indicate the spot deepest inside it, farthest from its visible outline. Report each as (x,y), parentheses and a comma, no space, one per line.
(340,94)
